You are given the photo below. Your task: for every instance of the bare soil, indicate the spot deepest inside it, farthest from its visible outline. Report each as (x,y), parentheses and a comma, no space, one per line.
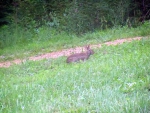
(65,52)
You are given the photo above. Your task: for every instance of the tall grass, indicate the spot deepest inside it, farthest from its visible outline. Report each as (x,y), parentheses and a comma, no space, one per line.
(23,43)
(116,79)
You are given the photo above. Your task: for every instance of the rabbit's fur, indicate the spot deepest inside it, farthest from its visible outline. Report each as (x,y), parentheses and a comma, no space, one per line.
(80,56)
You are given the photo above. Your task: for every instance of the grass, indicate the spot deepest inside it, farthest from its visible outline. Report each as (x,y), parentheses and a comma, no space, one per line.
(47,40)
(116,79)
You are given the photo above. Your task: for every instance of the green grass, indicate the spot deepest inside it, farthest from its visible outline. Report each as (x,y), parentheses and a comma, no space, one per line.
(116,79)
(47,40)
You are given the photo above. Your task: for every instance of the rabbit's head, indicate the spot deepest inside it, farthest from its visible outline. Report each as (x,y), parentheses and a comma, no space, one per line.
(89,51)
(80,56)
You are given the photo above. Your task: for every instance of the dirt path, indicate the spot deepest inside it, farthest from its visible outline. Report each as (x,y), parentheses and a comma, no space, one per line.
(65,52)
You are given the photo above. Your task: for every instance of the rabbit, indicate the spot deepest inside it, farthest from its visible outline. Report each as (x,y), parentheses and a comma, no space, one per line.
(80,56)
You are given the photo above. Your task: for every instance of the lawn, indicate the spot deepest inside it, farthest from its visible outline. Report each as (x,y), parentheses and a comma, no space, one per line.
(116,79)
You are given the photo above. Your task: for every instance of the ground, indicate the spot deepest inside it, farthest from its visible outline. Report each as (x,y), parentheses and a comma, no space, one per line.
(66,52)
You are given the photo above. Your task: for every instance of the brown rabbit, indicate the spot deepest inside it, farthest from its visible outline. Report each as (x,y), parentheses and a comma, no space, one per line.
(80,56)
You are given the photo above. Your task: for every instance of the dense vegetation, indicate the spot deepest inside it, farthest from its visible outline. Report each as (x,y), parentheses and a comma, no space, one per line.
(49,41)
(28,17)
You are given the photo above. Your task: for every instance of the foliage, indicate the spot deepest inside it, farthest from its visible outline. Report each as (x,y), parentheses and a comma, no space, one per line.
(73,16)
(45,40)
(86,16)
(27,18)
(28,13)
(12,35)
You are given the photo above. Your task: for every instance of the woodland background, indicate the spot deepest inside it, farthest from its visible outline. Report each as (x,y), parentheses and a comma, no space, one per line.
(71,16)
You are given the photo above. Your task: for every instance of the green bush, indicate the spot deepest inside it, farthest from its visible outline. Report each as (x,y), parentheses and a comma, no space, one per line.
(83,16)
(11,35)
(73,16)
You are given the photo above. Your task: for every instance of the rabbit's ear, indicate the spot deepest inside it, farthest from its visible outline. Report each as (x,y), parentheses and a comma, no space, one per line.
(88,47)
